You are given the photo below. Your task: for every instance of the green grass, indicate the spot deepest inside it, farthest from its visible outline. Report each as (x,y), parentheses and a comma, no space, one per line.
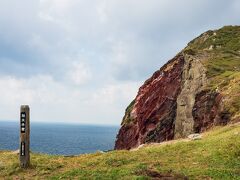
(216,156)
(223,72)
(225,39)
(127,119)
(221,49)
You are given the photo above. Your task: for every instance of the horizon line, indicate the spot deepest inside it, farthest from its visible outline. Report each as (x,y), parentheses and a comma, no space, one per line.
(61,122)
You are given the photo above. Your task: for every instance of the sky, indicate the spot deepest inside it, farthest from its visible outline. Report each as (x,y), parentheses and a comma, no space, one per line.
(82,61)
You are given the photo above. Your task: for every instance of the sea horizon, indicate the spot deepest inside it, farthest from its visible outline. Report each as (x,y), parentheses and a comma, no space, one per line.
(60,138)
(61,122)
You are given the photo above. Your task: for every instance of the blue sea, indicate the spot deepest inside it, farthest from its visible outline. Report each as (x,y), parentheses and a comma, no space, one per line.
(60,139)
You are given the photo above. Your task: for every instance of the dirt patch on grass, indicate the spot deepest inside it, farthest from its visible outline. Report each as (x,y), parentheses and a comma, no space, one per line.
(153,174)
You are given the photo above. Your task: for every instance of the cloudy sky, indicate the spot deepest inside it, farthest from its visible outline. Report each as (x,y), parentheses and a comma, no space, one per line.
(82,61)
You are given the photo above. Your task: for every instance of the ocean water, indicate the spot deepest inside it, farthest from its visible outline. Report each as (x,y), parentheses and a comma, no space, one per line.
(63,139)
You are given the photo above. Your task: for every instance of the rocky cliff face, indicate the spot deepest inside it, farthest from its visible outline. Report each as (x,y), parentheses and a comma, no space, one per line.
(194,91)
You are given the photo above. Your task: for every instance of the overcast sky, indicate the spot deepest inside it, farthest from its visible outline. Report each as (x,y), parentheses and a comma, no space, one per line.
(82,61)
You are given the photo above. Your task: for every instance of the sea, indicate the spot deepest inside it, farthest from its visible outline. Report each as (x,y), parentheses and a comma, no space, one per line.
(60,139)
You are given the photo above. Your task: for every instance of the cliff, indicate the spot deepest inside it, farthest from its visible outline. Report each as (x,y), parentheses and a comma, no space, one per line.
(196,90)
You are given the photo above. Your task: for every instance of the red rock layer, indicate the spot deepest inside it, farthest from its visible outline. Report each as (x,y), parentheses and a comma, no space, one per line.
(207,111)
(154,110)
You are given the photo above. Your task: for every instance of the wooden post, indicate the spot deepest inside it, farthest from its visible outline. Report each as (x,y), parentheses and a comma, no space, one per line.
(24,153)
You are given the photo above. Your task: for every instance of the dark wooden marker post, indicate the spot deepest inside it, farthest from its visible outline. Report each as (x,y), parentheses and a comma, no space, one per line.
(24,153)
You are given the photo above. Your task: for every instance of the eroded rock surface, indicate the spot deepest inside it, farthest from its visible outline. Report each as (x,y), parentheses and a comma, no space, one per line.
(151,117)
(194,91)
(193,80)
(208,111)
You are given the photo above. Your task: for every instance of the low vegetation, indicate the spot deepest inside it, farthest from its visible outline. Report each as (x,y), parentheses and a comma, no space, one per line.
(222,61)
(127,119)
(215,156)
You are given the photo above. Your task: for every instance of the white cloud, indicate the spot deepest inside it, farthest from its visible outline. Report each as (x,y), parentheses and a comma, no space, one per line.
(117,92)
(39,91)
(81,60)
(51,101)
(36,89)
(14,91)
(79,73)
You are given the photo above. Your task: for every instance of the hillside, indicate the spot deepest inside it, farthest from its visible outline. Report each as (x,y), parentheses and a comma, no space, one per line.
(215,156)
(198,89)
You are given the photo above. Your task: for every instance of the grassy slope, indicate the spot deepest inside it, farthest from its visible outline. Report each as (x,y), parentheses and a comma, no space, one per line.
(216,156)
(222,48)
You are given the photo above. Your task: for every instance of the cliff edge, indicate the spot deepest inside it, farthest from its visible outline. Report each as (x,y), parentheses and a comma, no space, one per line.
(197,89)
